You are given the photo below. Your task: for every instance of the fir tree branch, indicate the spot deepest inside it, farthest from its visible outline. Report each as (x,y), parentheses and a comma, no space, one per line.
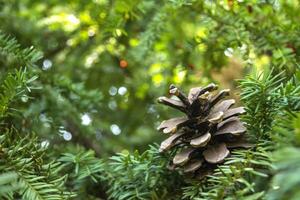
(37,180)
(141,176)
(14,85)
(10,47)
(8,184)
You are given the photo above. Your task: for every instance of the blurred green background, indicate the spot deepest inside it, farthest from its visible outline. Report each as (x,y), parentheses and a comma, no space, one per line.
(105,62)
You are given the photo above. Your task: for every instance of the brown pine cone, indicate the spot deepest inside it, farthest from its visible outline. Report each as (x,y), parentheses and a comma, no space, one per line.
(210,128)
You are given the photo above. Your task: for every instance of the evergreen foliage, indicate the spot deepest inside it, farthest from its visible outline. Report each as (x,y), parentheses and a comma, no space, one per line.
(11,48)
(14,86)
(84,171)
(65,117)
(142,176)
(37,179)
(285,180)
(8,184)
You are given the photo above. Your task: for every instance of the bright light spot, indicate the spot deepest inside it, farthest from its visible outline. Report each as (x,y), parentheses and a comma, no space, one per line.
(276,187)
(24,98)
(91,59)
(155,68)
(122,90)
(115,129)
(157,79)
(113,90)
(45,144)
(100,49)
(47,64)
(91,32)
(70,42)
(179,75)
(276,5)
(243,48)
(66,134)
(133,42)
(86,119)
(118,32)
(73,19)
(112,40)
(201,32)
(112,105)
(228,52)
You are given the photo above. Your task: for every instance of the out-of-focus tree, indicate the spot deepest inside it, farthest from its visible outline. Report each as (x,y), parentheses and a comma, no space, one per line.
(106,61)
(92,92)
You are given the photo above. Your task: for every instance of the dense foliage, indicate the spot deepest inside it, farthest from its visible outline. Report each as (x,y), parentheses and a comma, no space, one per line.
(79,82)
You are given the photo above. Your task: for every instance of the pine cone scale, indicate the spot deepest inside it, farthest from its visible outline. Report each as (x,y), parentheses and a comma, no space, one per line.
(223,106)
(233,127)
(193,165)
(170,141)
(234,112)
(173,103)
(193,94)
(216,117)
(201,141)
(216,153)
(183,157)
(226,121)
(171,125)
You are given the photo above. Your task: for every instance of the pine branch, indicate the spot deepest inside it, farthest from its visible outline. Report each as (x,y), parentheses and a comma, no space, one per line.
(156,27)
(85,173)
(285,180)
(285,183)
(84,165)
(8,184)
(262,100)
(141,176)
(37,180)
(11,48)
(266,96)
(14,85)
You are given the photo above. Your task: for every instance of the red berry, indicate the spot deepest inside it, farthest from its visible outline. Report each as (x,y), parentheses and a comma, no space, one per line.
(123,63)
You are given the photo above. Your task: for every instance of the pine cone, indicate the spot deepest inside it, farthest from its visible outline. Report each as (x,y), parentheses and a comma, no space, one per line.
(205,136)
